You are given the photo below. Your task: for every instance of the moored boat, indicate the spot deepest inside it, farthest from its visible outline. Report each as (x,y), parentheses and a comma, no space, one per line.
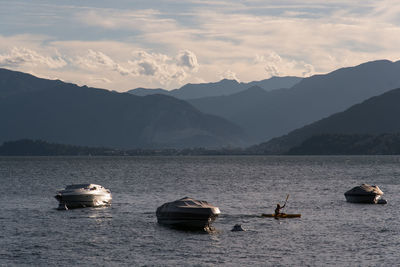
(187,213)
(364,193)
(83,195)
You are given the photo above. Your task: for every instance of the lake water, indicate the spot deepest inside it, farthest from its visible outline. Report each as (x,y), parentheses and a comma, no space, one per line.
(330,231)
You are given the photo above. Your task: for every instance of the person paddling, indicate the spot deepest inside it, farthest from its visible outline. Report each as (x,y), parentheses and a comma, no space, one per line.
(278,207)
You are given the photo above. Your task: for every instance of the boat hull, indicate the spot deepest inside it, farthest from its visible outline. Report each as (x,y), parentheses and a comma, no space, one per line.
(362,198)
(188,218)
(84,200)
(282,215)
(187,221)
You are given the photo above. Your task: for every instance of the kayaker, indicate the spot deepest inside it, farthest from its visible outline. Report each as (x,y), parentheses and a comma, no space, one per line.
(278,209)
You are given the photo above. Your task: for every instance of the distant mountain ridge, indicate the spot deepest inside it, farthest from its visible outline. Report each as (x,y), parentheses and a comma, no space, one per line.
(375,116)
(58,112)
(28,147)
(265,115)
(349,144)
(145,91)
(15,82)
(54,111)
(223,87)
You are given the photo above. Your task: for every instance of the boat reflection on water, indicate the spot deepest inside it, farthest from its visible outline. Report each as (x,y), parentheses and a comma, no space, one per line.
(83,195)
(187,213)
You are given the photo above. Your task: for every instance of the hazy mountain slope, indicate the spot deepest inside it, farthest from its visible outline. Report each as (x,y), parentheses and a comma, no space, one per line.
(223,87)
(349,144)
(376,115)
(145,91)
(70,114)
(246,108)
(265,115)
(14,82)
(274,83)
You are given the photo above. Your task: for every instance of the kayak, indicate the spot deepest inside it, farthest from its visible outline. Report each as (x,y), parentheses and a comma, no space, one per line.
(282,215)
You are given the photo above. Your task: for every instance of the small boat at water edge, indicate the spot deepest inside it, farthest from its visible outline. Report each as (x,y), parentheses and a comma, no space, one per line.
(365,193)
(281,215)
(83,195)
(187,213)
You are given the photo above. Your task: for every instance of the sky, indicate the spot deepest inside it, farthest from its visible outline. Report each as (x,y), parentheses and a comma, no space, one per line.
(125,44)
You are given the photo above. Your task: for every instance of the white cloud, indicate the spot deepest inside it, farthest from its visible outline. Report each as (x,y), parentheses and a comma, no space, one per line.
(97,60)
(187,59)
(117,69)
(250,39)
(164,68)
(276,65)
(100,80)
(230,75)
(20,56)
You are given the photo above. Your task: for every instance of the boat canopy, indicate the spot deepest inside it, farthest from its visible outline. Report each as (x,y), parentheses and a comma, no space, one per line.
(365,189)
(190,203)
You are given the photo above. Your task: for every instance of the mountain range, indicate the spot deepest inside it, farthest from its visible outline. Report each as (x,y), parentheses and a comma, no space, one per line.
(223,87)
(354,100)
(265,115)
(65,113)
(375,116)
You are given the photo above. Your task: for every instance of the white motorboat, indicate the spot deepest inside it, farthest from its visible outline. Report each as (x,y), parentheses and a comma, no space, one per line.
(187,213)
(365,193)
(83,195)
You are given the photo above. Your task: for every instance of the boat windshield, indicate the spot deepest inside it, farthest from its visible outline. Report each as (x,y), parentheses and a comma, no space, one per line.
(77,186)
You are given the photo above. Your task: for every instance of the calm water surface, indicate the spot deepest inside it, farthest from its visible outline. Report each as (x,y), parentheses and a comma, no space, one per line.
(330,232)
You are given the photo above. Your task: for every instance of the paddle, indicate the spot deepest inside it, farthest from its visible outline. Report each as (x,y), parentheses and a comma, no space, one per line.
(286,199)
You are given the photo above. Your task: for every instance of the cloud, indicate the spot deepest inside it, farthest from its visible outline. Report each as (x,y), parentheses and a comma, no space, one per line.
(148,68)
(19,56)
(153,44)
(275,65)
(164,68)
(106,65)
(100,80)
(145,20)
(154,68)
(187,59)
(97,60)
(310,36)
(230,75)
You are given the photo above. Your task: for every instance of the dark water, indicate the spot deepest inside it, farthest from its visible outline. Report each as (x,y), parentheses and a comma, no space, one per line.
(330,232)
